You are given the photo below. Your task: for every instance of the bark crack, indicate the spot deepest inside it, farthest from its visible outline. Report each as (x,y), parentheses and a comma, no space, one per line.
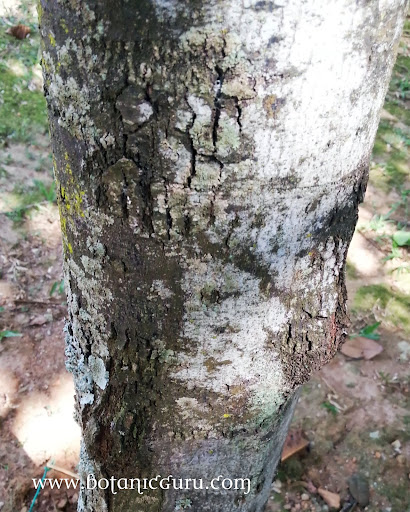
(191,143)
(238,113)
(217,105)
(167,210)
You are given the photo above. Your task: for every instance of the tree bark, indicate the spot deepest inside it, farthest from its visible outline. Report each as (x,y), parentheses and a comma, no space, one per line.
(209,157)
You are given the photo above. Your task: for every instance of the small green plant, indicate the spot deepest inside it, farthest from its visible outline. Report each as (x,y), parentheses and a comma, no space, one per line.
(17,215)
(58,286)
(30,198)
(369,331)
(379,222)
(9,334)
(385,378)
(394,252)
(8,160)
(401,238)
(401,269)
(330,407)
(403,135)
(48,192)
(404,87)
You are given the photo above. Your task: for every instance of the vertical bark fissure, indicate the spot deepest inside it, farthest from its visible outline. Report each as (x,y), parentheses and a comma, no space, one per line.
(193,151)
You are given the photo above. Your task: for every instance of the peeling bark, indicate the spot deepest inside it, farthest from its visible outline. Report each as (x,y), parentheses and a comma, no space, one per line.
(210,158)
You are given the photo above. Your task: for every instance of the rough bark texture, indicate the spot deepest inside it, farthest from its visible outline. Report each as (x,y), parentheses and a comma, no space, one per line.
(210,157)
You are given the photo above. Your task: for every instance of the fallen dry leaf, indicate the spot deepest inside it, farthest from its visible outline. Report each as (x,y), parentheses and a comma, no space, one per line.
(295,443)
(331,498)
(359,489)
(359,347)
(19,31)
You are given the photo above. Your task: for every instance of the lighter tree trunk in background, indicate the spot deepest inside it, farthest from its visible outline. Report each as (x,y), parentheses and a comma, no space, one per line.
(210,157)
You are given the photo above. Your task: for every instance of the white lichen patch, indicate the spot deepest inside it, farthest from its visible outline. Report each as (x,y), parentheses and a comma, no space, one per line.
(183,119)
(95,296)
(159,288)
(98,371)
(228,136)
(89,499)
(201,109)
(201,131)
(143,112)
(214,38)
(63,52)
(73,104)
(188,405)
(207,176)
(89,325)
(228,325)
(176,156)
(107,140)
(77,97)
(240,86)
(315,87)
(75,364)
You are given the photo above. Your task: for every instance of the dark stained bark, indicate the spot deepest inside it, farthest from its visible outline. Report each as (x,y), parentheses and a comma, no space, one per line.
(209,173)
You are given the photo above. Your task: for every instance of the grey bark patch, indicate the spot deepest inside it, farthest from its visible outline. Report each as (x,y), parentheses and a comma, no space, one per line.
(134,108)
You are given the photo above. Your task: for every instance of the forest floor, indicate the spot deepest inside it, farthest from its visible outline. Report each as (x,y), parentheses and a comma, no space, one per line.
(354,412)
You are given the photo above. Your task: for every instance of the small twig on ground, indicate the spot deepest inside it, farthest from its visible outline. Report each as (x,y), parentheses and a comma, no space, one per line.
(40,303)
(330,387)
(372,242)
(51,465)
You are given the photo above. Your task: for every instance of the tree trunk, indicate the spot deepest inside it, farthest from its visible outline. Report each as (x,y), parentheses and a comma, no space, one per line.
(209,157)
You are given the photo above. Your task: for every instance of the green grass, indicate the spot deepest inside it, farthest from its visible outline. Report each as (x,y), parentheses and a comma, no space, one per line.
(396,104)
(396,109)
(400,81)
(391,153)
(399,89)
(330,408)
(379,147)
(37,193)
(395,305)
(30,197)
(397,495)
(406,28)
(22,111)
